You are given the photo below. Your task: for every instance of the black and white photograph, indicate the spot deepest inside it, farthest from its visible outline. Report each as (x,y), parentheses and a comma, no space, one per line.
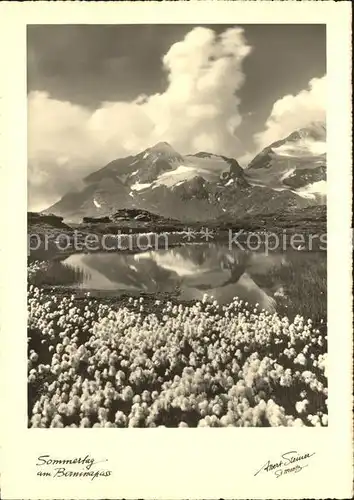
(177,225)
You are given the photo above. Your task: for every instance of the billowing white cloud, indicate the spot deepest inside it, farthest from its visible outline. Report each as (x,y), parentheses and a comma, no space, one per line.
(290,113)
(197,111)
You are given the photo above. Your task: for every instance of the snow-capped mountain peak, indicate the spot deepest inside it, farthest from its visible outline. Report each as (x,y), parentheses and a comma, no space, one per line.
(204,185)
(161,151)
(295,162)
(162,147)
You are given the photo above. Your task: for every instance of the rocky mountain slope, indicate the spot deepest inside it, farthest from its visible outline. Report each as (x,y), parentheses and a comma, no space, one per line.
(196,187)
(297,162)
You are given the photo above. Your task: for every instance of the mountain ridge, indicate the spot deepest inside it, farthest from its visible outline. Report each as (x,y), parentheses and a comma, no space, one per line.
(200,186)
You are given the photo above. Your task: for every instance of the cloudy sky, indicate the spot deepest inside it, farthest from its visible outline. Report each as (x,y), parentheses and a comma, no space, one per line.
(96,93)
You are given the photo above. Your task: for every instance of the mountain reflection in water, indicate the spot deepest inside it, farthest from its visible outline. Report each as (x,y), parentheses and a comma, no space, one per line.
(192,270)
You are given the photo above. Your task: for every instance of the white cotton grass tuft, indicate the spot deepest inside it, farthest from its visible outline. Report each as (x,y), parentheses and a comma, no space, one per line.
(128,367)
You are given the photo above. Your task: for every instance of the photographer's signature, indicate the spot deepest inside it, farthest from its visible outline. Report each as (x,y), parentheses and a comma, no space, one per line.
(290,462)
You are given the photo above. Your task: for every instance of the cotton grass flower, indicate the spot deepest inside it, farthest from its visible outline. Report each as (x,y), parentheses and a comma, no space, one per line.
(197,365)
